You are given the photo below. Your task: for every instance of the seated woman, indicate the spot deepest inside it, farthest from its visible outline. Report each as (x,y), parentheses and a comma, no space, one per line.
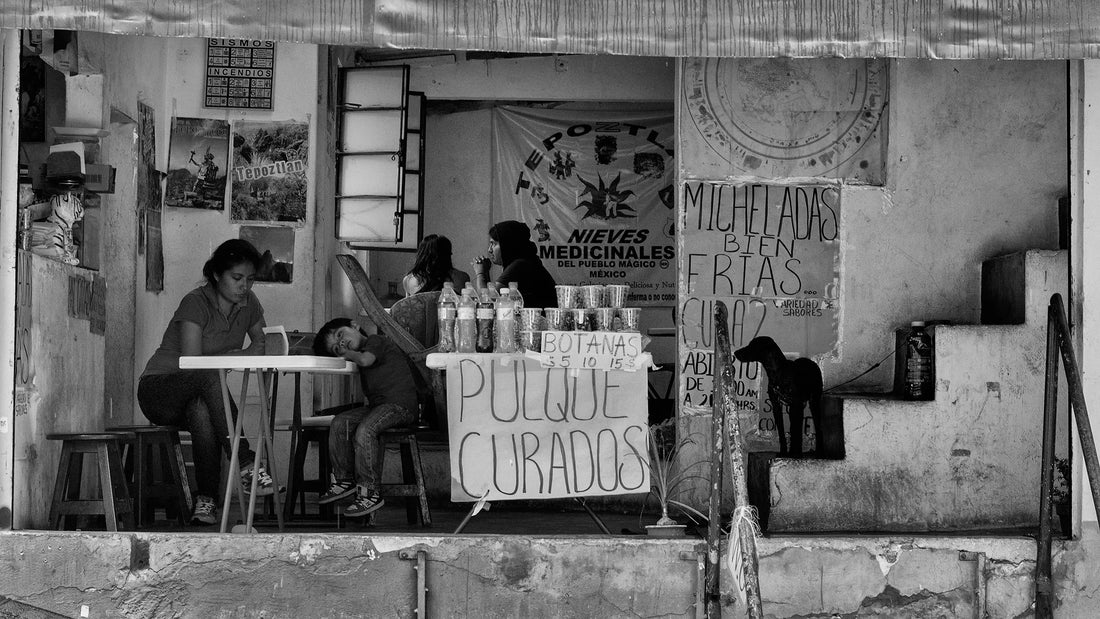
(433,267)
(511,247)
(210,320)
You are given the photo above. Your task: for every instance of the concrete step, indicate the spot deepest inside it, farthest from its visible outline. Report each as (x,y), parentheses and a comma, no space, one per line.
(966,460)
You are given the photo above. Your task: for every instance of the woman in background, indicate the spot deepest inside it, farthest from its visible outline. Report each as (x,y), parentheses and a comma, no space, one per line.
(210,320)
(511,247)
(433,267)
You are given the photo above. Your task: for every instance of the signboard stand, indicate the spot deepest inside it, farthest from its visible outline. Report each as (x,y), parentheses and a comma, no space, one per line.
(525,427)
(480,506)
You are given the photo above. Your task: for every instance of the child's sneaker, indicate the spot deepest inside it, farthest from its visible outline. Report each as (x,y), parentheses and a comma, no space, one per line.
(364,504)
(205,511)
(338,490)
(264,485)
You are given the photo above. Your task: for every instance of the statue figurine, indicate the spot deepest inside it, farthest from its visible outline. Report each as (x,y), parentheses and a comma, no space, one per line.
(55,237)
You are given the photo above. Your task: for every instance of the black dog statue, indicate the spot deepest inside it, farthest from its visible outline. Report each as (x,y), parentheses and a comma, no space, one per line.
(790,383)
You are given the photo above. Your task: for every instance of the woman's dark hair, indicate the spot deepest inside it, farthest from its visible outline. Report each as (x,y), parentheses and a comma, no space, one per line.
(433,262)
(514,238)
(323,334)
(228,255)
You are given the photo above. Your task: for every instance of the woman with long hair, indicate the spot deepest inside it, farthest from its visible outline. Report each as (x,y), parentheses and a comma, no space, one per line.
(433,267)
(212,319)
(510,247)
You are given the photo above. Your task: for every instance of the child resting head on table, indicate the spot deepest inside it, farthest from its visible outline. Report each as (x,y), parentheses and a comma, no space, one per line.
(390,392)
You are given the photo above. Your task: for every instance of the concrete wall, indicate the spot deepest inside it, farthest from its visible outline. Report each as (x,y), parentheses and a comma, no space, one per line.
(140,576)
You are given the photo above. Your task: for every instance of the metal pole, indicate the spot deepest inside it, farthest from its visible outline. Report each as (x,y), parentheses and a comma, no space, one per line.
(714,532)
(1043,607)
(9,203)
(1077,400)
(746,526)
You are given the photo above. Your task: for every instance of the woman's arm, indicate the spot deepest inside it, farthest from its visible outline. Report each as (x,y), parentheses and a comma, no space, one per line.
(191,340)
(481,266)
(256,345)
(411,284)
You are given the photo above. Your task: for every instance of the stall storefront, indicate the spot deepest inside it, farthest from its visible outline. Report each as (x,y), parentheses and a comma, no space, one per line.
(831,176)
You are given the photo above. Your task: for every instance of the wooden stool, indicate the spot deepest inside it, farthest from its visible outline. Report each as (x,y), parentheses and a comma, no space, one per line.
(298,485)
(412,475)
(155,471)
(114,504)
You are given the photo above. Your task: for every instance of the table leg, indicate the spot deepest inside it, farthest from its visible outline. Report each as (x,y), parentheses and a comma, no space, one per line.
(234,441)
(265,444)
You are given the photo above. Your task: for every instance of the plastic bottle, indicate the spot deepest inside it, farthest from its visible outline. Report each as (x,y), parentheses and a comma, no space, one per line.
(517,301)
(506,322)
(447,312)
(490,294)
(919,379)
(486,313)
(466,323)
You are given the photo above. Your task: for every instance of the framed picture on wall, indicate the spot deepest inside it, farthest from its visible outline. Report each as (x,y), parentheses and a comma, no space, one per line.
(276,247)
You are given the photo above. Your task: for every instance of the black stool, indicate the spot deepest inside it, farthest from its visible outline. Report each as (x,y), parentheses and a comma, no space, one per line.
(114,502)
(297,486)
(412,475)
(155,471)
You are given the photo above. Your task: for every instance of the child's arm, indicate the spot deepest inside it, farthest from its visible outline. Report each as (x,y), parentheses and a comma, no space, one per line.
(361,358)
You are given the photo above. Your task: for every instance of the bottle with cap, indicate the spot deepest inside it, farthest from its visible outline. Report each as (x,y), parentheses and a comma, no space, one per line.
(447,312)
(919,378)
(486,314)
(466,323)
(506,322)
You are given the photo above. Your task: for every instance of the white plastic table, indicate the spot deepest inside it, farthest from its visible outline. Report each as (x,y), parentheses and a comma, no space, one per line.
(261,365)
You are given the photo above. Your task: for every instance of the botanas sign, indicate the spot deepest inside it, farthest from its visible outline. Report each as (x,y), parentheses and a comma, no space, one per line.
(596,190)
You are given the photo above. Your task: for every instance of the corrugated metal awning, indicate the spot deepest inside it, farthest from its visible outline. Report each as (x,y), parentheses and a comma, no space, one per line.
(994,29)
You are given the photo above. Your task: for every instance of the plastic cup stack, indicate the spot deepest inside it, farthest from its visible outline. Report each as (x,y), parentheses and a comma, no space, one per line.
(584,319)
(567,296)
(629,317)
(530,319)
(558,319)
(531,340)
(616,294)
(605,319)
(592,296)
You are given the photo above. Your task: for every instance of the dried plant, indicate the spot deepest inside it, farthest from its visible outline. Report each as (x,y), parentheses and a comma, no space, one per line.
(666,475)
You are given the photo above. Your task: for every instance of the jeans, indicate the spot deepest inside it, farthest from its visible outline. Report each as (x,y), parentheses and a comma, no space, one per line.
(353,443)
(192,400)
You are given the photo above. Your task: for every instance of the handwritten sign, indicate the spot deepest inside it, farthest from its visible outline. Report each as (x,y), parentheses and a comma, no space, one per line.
(591,350)
(521,431)
(772,254)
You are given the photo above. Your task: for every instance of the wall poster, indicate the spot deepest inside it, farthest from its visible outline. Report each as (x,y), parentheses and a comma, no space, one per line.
(270,161)
(198,149)
(149,199)
(276,247)
(595,187)
(240,73)
(772,253)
